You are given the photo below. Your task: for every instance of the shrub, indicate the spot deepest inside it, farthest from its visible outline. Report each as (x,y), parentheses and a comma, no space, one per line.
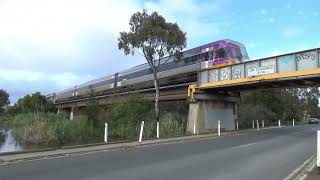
(247,113)
(2,136)
(48,128)
(125,118)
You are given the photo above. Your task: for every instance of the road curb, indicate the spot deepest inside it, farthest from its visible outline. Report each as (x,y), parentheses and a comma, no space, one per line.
(300,173)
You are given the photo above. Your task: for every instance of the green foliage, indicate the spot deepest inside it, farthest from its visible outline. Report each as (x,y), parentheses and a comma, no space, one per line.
(310,100)
(284,104)
(173,124)
(155,37)
(34,103)
(2,136)
(124,119)
(49,128)
(249,112)
(91,110)
(4,99)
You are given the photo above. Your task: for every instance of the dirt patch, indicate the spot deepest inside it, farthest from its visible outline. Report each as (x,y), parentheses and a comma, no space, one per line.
(314,174)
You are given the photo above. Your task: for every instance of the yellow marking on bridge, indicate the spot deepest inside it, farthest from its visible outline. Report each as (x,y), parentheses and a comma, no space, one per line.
(195,87)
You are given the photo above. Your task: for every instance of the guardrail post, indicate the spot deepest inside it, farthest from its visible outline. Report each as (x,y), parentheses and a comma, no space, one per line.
(237,125)
(292,122)
(194,128)
(262,123)
(141,131)
(252,124)
(279,123)
(218,128)
(258,125)
(157,130)
(318,152)
(106,132)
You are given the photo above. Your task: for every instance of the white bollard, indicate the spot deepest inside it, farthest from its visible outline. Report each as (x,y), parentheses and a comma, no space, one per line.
(252,124)
(262,123)
(157,130)
(106,132)
(141,131)
(71,115)
(194,128)
(292,122)
(258,125)
(218,128)
(237,125)
(318,151)
(279,123)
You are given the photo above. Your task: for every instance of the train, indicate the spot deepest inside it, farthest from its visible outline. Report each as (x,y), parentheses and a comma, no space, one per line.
(215,54)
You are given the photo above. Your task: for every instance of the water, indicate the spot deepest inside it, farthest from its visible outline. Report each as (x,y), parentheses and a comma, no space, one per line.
(9,144)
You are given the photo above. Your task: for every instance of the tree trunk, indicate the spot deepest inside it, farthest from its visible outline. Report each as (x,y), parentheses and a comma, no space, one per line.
(156,102)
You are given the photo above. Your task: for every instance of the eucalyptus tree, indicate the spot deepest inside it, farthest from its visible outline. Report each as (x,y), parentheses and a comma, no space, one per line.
(4,99)
(156,40)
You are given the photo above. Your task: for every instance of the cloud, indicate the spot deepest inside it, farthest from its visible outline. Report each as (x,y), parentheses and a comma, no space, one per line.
(43,33)
(20,83)
(271,20)
(288,6)
(291,32)
(57,43)
(263,11)
(60,80)
(300,12)
(48,45)
(192,16)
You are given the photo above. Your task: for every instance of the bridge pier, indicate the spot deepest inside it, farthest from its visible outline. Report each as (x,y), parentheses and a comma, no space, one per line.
(206,109)
(74,112)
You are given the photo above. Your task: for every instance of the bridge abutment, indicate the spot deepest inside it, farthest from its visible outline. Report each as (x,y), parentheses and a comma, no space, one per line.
(206,109)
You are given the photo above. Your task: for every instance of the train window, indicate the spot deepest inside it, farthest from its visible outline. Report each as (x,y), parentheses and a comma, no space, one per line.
(221,53)
(204,56)
(194,58)
(244,53)
(235,52)
(187,60)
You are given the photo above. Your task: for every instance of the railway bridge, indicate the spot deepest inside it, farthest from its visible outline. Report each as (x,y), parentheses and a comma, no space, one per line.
(213,92)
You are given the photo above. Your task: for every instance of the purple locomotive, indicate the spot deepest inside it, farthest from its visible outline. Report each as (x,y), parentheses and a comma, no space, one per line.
(222,53)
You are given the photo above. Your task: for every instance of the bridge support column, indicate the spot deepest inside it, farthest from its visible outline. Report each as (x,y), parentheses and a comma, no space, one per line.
(74,112)
(206,110)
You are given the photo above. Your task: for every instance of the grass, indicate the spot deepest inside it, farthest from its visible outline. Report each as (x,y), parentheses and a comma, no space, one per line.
(125,117)
(124,120)
(49,128)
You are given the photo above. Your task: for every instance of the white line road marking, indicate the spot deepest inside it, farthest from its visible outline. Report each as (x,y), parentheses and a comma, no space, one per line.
(246,145)
(294,173)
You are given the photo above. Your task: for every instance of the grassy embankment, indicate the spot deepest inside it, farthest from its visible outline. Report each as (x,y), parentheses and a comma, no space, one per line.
(124,119)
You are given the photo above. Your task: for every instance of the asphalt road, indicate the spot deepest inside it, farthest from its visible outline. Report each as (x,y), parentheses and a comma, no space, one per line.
(270,154)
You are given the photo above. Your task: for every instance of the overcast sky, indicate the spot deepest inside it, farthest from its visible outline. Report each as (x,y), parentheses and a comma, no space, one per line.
(48,45)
